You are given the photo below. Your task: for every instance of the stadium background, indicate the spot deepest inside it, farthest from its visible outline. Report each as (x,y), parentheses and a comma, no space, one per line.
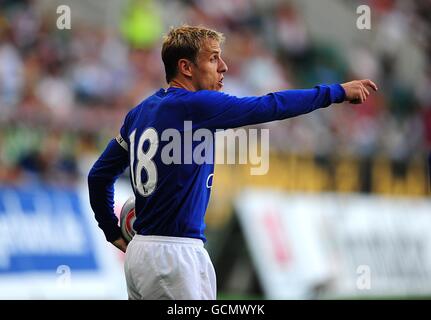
(64,93)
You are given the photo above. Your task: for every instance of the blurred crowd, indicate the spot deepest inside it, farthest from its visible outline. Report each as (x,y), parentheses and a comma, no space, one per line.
(64,93)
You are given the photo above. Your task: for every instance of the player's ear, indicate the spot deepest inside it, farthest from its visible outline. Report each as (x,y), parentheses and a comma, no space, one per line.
(185,67)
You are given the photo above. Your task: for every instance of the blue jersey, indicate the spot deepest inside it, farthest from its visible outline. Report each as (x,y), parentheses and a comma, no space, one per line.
(171,198)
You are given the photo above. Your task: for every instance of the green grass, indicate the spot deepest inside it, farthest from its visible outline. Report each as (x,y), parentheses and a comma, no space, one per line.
(233,296)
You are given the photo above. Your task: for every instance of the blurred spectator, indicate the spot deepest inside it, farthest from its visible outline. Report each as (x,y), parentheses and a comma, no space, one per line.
(141,24)
(11,77)
(64,94)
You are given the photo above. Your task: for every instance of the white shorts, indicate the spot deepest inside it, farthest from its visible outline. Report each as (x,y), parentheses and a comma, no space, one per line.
(159,267)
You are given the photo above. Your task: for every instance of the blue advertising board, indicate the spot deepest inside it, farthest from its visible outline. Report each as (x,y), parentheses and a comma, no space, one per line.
(42,228)
(45,231)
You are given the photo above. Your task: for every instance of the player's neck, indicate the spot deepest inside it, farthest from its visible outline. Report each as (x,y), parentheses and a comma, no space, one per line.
(184,84)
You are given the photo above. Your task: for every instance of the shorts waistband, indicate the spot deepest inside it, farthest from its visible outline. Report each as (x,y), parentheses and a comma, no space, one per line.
(173,240)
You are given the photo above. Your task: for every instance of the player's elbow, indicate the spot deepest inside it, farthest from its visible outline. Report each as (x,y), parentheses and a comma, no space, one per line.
(95,185)
(94,178)
(92,175)
(99,179)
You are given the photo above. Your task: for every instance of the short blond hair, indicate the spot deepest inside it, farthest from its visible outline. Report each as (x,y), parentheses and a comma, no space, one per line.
(185,42)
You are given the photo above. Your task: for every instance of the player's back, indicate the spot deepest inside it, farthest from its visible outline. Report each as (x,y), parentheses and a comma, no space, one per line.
(171,193)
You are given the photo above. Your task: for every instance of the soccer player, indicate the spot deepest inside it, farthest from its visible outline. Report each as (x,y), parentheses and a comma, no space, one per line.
(166,259)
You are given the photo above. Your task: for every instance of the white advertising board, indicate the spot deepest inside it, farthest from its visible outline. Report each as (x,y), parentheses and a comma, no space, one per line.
(313,246)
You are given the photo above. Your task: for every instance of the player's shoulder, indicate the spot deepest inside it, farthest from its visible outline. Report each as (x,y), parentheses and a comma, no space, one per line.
(205,94)
(200,97)
(132,113)
(183,93)
(151,100)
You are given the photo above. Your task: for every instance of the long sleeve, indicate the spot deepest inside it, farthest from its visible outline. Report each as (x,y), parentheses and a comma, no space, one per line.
(215,110)
(101,178)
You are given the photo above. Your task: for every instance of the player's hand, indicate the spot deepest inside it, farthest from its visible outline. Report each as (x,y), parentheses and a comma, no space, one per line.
(121,244)
(358,91)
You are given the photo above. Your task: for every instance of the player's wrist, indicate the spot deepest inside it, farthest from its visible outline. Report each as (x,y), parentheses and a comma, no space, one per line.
(337,92)
(121,244)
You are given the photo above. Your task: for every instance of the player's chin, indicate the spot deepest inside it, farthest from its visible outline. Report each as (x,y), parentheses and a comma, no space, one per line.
(219,86)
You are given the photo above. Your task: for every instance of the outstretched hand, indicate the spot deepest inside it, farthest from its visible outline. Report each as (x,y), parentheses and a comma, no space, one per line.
(357,92)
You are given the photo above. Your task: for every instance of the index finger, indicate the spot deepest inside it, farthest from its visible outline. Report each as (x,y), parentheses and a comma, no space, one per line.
(371,84)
